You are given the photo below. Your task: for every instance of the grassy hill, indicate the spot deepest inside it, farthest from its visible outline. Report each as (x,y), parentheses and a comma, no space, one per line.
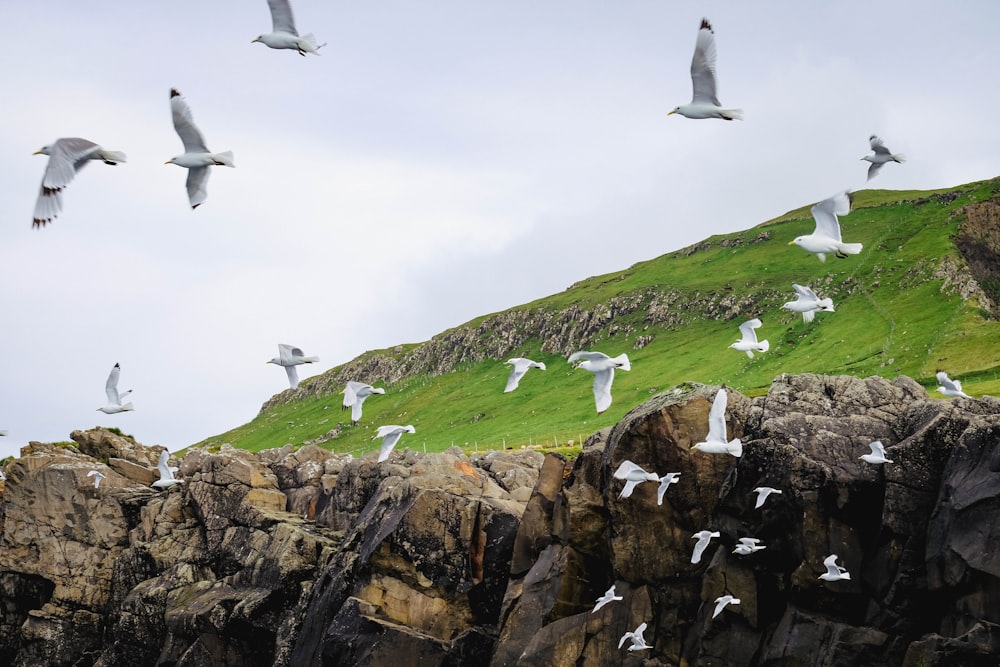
(900,309)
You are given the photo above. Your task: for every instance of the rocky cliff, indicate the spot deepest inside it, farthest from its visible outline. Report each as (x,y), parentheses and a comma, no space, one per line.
(307,558)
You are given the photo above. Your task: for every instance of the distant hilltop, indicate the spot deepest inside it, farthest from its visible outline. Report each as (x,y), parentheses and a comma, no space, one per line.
(923,296)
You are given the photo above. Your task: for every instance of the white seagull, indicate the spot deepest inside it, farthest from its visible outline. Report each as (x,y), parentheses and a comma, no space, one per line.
(633,475)
(609,596)
(747,546)
(748,343)
(167,478)
(196,157)
(703,537)
(950,387)
(721,602)
(638,642)
(114,398)
(390,436)
(762,493)
(705,100)
(355,394)
(66,157)
(520,367)
(881,156)
(98,476)
(665,482)
(283,34)
(715,442)
(807,303)
(826,237)
(290,356)
(603,367)
(833,571)
(878,454)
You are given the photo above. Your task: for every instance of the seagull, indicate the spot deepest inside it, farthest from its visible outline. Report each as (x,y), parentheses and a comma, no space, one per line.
(521,366)
(3,477)
(98,476)
(950,387)
(290,356)
(833,571)
(749,342)
(665,482)
(703,537)
(826,237)
(114,399)
(762,493)
(638,643)
(747,546)
(715,442)
(878,454)
(196,157)
(66,157)
(721,602)
(167,478)
(881,156)
(390,436)
(355,394)
(705,101)
(609,595)
(603,367)
(283,34)
(807,303)
(633,476)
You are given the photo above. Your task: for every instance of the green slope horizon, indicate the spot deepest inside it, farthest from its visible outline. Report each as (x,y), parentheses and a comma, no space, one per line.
(921,297)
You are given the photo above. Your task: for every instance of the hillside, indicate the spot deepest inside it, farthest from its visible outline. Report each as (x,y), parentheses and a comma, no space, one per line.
(921,297)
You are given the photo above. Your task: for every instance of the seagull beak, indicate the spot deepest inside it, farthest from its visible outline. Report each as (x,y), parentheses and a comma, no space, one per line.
(37,153)
(791,243)
(672,113)
(252,41)
(167,162)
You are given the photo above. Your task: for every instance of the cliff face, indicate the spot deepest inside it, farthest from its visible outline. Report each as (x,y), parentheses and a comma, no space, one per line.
(306,558)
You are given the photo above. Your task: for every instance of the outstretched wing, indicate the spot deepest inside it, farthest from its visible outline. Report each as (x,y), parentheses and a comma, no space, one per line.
(281,16)
(878,145)
(388,443)
(602,389)
(111,386)
(703,66)
(293,376)
(825,213)
(747,329)
(717,418)
(589,356)
(197,186)
(184,124)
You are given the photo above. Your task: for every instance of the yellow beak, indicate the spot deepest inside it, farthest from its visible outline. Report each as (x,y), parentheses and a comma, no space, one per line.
(671,113)
(791,243)
(37,153)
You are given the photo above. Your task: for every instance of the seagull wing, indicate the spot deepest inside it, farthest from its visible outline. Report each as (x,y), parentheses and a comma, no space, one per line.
(831,564)
(947,382)
(161,465)
(111,386)
(805,292)
(877,448)
(388,442)
(602,389)
(293,376)
(589,356)
(878,145)
(520,367)
(351,392)
(197,186)
(184,124)
(281,16)
(874,169)
(825,213)
(703,66)
(627,467)
(717,418)
(67,157)
(747,329)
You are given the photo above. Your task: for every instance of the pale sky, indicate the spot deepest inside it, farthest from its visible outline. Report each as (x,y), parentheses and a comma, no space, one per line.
(439,161)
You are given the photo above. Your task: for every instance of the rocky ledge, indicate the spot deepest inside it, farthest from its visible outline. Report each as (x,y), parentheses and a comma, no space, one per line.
(308,558)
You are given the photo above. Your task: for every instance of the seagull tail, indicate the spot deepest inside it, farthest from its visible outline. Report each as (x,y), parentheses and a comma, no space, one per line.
(898,157)
(851,248)
(310,360)
(224,158)
(732,114)
(127,406)
(763,346)
(735,447)
(622,362)
(112,156)
(308,43)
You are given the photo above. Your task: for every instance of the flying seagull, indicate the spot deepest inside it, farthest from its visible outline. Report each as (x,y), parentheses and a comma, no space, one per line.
(748,343)
(807,303)
(833,571)
(66,157)
(721,602)
(520,367)
(762,493)
(705,100)
(703,537)
(638,643)
(665,483)
(715,442)
(98,476)
(355,394)
(390,436)
(114,398)
(167,478)
(880,157)
(609,596)
(196,157)
(950,387)
(633,475)
(826,237)
(877,455)
(747,546)
(283,34)
(290,356)
(603,367)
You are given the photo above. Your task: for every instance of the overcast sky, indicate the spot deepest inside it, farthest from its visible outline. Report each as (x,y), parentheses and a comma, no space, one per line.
(439,161)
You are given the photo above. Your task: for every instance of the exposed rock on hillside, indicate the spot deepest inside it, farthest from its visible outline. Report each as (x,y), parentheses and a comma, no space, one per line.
(307,558)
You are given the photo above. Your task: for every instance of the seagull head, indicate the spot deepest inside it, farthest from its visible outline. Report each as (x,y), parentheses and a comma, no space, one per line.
(795,241)
(676,110)
(44,150)
(258,38)
(172,160)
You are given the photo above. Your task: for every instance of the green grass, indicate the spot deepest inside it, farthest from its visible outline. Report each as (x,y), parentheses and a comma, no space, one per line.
(892,318)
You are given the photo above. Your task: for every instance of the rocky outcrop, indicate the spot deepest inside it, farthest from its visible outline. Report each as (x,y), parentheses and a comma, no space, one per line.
(307,558)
